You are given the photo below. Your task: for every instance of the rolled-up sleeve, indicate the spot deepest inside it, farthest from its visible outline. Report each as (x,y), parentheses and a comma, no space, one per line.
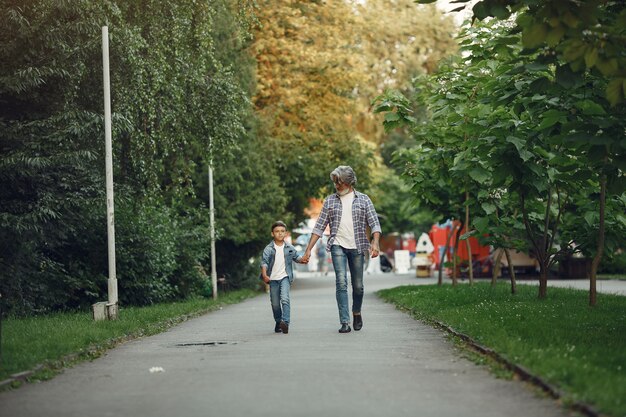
(322,220)
(372,217)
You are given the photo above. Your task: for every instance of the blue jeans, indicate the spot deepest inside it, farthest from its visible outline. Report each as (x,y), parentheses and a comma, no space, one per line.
(354,261)
(279,297)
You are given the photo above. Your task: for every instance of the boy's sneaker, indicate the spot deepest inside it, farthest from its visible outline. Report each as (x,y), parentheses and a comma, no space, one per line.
(277,328)
(284,327)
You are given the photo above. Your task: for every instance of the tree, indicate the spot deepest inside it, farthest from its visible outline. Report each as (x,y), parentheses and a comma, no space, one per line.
(586,35)
(517,129)
(176,103)
(319,66)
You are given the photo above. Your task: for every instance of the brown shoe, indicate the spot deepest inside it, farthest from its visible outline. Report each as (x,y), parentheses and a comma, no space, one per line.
(284,327)
(358,322)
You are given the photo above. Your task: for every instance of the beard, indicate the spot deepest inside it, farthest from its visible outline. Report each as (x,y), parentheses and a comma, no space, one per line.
(344,192)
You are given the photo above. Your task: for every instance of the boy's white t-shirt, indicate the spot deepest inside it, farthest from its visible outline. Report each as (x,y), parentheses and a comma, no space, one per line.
(278,270)
(345,232)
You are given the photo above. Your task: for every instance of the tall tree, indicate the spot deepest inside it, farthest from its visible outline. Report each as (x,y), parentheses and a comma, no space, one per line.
(320,64)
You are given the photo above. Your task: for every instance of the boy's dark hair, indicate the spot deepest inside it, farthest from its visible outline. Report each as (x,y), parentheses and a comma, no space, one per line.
(278,223)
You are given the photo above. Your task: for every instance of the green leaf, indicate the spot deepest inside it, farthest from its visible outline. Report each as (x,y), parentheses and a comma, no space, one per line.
(590,218)
(392,117)
(614,91)
(479,174)
(488,208)
(517,142)
(500,11)
(481,223)
(555,35)
(540,85)
(534,35)
(591,57)
(467,235)
(590,108)
(607,67)
(480,10)
(536,66)
(550,118)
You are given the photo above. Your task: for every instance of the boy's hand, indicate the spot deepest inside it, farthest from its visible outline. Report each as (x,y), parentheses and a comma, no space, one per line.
(305,257)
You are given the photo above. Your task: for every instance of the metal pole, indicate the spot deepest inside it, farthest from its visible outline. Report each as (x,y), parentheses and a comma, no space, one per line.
(112,283)
(212,231)
(1,365)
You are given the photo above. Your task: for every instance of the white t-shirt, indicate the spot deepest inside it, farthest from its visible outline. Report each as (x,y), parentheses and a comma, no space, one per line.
(278,270)
(345,232)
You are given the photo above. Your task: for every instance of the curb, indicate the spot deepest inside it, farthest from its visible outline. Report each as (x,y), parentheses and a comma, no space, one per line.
(19,377)
(519,371)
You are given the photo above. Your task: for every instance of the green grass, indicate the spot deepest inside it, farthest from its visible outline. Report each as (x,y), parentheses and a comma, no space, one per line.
(579,349)
(60,339)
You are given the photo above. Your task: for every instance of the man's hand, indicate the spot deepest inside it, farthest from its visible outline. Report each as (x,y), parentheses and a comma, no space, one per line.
(266,279)
(305,257)
(374,249)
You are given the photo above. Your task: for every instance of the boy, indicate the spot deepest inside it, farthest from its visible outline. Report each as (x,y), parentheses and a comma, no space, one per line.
(277,271)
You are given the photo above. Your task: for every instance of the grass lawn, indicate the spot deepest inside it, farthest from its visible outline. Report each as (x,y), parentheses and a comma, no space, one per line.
(579,349)
(58,339)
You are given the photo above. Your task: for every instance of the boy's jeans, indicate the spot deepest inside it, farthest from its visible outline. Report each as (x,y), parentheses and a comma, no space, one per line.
(279,297)
(354,260)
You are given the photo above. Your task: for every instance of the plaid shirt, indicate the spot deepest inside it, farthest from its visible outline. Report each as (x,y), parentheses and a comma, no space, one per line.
(363,214)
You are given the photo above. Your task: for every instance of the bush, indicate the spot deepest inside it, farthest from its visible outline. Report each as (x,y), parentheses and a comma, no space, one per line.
(615,264)
(145,253)
(192,250)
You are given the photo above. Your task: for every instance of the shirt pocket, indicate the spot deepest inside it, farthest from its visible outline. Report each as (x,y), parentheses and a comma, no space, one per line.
(361,212)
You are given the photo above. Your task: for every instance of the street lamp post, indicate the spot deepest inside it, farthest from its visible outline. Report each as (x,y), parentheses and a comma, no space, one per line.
(212,231)
(111,306)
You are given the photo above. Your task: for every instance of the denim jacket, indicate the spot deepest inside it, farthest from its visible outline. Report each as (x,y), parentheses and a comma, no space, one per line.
(269,253)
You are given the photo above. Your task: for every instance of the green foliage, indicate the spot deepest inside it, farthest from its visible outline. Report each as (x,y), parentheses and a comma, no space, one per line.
(396,205)
(145,253)
(586,35)
(526,136)
(178,99)
(580,350)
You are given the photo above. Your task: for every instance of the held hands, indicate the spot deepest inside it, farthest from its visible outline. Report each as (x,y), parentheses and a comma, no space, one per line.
(266,279)
(305,257)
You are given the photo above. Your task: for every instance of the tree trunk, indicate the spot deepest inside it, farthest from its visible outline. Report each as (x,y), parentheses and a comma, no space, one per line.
(497,267)
(596,260)
(541,251)
(467,242)
(543,280)
(456,251)
(511,271)
(443,257)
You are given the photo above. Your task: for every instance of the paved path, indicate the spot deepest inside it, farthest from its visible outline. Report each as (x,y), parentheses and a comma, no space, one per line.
(395,366)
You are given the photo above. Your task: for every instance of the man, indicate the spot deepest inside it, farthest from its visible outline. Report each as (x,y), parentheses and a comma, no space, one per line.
(348,212)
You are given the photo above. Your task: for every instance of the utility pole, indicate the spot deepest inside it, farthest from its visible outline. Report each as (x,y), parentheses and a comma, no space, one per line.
(111,307)
(212,231)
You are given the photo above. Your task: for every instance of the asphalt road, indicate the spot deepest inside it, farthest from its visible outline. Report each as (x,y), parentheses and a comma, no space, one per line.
(231,363)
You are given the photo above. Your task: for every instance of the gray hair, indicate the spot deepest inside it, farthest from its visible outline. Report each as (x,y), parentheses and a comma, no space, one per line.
(345,174)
